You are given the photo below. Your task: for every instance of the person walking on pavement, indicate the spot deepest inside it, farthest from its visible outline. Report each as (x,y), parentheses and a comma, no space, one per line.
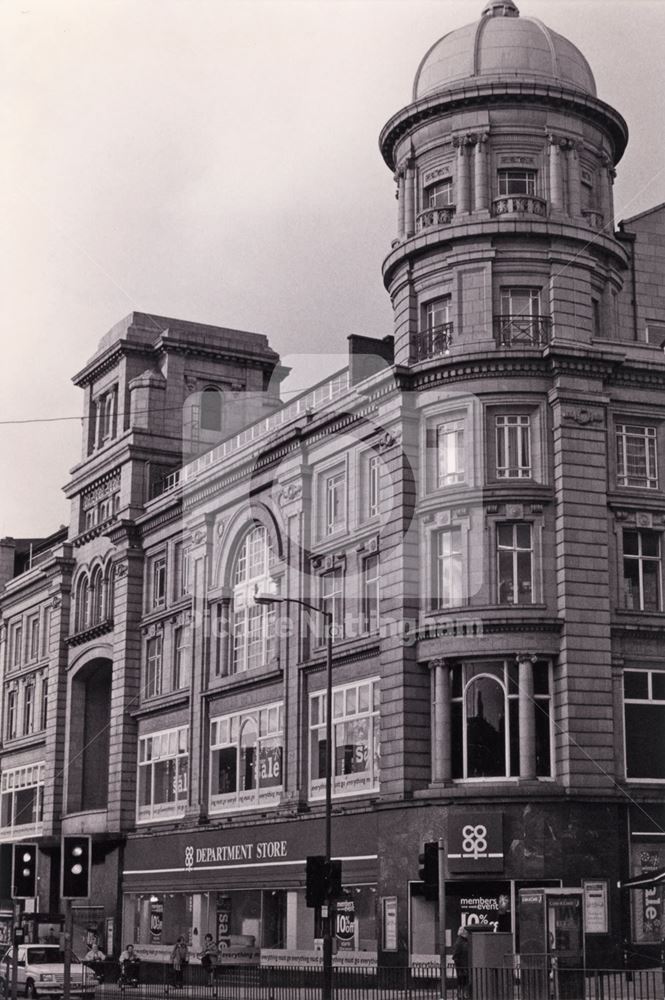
(461,960)
(209,957)
(179,961)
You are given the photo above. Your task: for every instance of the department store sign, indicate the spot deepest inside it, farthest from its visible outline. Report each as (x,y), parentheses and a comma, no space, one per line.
(245,853)
(475,842)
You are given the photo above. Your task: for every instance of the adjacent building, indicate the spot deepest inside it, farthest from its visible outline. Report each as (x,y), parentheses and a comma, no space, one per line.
(479,499)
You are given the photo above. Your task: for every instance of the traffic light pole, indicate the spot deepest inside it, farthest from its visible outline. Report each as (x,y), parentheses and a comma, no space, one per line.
(67,977)
(18,913)
(442,911)
(326,992)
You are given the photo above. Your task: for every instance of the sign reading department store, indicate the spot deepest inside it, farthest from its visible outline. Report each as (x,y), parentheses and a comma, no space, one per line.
(257,854)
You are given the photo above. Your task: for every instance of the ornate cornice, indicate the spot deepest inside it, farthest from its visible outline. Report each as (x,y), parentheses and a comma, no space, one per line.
(93,632)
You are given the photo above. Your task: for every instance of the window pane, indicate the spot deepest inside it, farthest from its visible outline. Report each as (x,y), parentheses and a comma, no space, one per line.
(645,746)
(543,749)
(630,543)
(651,577)
(658,686)
(485,725)
(636,684)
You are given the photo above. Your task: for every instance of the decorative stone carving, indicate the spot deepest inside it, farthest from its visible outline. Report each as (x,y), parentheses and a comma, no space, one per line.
(536,508)
(120,570)
(386,441)
(100,491)
(290,493)
(643,519)
(198,536)
(582,415)
(56,602)
(221,528)
(515,510)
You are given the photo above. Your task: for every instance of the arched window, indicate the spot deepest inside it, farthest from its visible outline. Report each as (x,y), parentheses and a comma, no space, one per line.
(252,623)
(82,604)
(485,729)
(211,409)
(97,597)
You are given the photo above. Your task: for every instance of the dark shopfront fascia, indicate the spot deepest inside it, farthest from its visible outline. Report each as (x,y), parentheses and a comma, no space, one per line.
(246,887)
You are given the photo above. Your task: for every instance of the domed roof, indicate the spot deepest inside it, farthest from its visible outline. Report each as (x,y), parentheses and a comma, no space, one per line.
(502,45)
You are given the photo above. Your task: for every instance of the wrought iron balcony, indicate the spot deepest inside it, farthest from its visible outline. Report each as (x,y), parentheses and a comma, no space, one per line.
(532,331)
(519,204)
(593,219)
(433,217)
(432,343)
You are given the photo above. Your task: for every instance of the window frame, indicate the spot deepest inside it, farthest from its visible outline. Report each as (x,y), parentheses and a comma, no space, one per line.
(226,732)
(251,632)
(516,550)
(15,645)
(336,596)
(431,196)
(154,666)
(182,656)
(176,807)
(11,784)
(316,724)
(371,575)
(624,432)
(28,707)
(456,557)
(640,559)
(158,581)
(457,432)
(503,424)
(430,310)
(11,716)
(650,700)
(334,502)
(528,174)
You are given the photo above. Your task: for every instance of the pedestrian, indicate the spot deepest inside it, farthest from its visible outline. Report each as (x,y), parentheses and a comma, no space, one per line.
(461,960)
(179,961)
(209,957)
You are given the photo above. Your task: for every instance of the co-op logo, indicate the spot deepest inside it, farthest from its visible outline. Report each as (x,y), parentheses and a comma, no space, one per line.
(189,858)
(474,841)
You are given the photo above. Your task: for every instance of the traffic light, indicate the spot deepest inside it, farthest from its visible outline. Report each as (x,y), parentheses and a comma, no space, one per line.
(315,880)
(334,879)
(24,871)
(429,869)
(75,868)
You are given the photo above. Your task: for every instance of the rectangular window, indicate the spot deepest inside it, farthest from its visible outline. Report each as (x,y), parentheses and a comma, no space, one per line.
(246,759)
(12,699)
(371,593)
(335,503)
(448,569)
(22,800)
(513,446)
(332,600)
(514,564)
(355,748)
(28,708)
(180,570)
(15,645)
(521,319)
(153,674)
(163,775)
(644,708)
(182,657)
(636,456)
(43,710)
(106,409)
(439,194)
(641,570)
(517,182)
(437,313)
(33,638)
(595,316)
(371,492)
(46,632)
(450,452)
(158,582)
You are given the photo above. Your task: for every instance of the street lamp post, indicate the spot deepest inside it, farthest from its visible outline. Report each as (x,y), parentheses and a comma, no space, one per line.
(268,599)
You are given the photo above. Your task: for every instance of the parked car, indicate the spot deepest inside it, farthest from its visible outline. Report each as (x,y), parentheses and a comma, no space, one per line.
(41,972)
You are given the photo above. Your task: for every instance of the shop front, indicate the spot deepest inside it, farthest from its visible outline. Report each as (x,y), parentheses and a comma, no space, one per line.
(246,887)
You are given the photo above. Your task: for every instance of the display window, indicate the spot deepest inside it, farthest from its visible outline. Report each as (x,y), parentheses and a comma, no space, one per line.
(246,751)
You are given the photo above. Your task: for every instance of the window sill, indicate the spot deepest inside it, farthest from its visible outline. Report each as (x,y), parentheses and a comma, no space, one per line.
(22,742)
(158,702)
(245,678)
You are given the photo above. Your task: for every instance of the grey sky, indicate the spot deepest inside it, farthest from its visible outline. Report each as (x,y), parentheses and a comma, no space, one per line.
(218,161)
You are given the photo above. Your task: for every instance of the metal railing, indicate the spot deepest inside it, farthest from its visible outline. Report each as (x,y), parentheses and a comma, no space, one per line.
(533,331)
(433,342)
(157,981)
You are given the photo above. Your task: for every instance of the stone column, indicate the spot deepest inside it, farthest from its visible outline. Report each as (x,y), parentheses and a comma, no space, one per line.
(574,182)
(399,177)
(481,193)
(462,198)
(441,748)
(556,186)
(527,716)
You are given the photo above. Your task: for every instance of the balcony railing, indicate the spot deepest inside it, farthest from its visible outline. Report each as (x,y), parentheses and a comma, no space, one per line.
(519,204)
(433,217)
(432,343)
(593,219)
(533,331)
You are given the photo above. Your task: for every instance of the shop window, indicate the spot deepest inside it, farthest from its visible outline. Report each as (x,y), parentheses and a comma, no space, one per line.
(439,194)
(163,775)
(246,759)
(644,713)
(371,594)
(641,570)
(22,800)
(253,624)
(448,569)
(514,563)
(636,456)
(485,720)
(181,656)
(516,182)
(211,409)
(153,671)
(355,726)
